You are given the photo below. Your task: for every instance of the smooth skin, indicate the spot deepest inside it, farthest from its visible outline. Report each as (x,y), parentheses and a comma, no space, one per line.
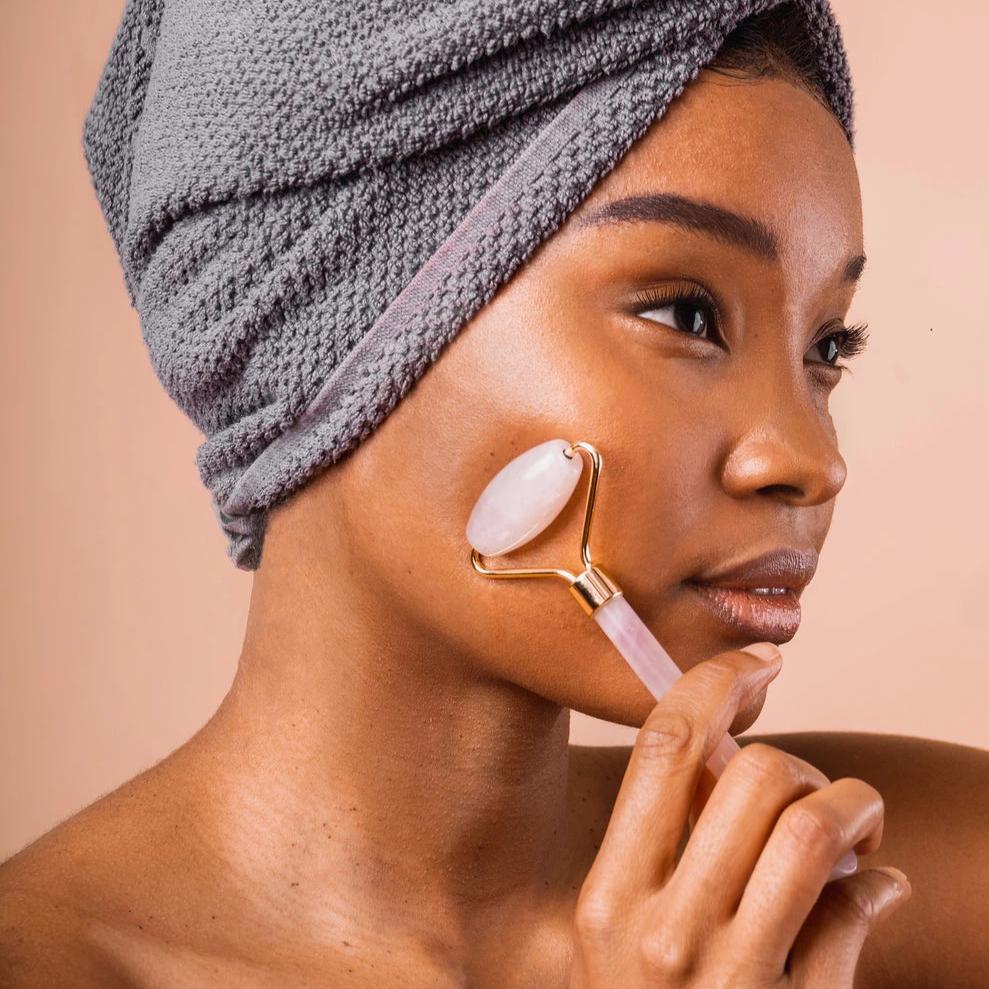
(387,796)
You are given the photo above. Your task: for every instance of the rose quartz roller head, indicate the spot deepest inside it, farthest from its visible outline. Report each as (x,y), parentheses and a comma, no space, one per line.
(519,502)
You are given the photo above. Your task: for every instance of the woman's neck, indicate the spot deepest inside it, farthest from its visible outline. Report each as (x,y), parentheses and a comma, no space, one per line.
(368,780)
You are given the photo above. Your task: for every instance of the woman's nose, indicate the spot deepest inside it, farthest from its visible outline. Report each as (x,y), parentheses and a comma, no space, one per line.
(785,449)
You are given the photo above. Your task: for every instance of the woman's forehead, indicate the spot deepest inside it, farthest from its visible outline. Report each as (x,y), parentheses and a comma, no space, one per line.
(760,146)
(760,164)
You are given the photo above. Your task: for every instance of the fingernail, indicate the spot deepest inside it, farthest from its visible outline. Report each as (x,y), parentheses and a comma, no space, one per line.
(899,878)
(768,652)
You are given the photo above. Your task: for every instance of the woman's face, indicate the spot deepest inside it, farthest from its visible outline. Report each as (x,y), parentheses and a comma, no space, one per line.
(712,417)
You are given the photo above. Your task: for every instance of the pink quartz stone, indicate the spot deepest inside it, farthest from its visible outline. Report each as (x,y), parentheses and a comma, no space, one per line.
(523,498)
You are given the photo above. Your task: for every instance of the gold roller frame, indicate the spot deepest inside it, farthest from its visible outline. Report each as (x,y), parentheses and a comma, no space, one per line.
(592,587)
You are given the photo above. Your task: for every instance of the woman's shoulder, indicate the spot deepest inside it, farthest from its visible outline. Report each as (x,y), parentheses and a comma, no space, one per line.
(79,901)
(136,890)
(936,797)
(53,898)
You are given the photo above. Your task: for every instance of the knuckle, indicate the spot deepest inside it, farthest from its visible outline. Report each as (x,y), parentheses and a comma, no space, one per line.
(813,830)
(758,762)
(870,795)
(667,733)
(667,955)
(864,795)
(595,914)
(871,805)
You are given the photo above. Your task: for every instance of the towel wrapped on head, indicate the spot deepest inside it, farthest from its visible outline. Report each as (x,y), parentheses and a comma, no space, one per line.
(309,200)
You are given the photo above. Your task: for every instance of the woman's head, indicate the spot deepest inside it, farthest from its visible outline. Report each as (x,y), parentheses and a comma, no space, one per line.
(303,230)
(684,321)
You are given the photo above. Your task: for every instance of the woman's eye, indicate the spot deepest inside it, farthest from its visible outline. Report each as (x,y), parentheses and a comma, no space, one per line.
(828,349)
(845,342)
(685,315)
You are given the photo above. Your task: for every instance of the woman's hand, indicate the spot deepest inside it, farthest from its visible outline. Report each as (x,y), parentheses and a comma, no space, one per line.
(746,904)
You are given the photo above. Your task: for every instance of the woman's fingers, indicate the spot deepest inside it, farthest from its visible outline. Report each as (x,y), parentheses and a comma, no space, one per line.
(638,851)
(809,837)
(750,877)
(735,824)
(827,949)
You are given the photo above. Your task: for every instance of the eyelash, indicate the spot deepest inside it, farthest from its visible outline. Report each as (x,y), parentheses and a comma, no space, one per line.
(850,340)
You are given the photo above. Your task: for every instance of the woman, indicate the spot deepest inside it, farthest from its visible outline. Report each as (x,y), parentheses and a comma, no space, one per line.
(387,796)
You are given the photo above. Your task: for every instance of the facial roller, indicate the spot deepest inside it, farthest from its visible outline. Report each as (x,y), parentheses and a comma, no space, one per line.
(519,502)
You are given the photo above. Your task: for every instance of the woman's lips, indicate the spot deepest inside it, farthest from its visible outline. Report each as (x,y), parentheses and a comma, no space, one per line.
(763,617)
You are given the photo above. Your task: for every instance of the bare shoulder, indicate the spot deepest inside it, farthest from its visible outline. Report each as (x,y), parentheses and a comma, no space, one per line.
(50,894)
(44,942)
(936,797)
(76,901)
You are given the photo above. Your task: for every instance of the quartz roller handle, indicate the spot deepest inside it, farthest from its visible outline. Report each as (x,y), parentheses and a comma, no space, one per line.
(656,669)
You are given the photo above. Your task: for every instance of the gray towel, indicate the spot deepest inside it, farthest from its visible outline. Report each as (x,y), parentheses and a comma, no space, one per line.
(309,199)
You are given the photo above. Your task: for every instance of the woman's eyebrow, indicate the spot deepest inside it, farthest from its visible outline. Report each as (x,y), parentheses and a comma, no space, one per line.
(693,214)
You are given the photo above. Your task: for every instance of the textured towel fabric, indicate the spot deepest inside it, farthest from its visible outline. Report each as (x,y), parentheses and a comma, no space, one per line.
(310,199)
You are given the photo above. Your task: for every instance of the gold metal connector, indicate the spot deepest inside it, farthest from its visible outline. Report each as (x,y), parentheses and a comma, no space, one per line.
(592,588)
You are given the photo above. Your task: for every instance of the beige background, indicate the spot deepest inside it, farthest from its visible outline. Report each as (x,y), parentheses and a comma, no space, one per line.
(122,616)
